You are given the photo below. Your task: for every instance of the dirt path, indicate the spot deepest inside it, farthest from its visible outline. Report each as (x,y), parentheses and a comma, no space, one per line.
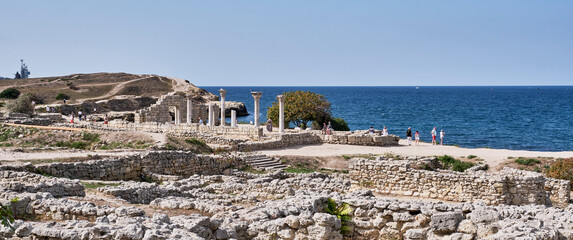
(113,91)
(29,156)
(181,85)
(48,127)
(493,157)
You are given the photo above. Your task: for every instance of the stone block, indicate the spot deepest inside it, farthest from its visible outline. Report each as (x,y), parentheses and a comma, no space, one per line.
(484,216)
(447,222)
(415,234)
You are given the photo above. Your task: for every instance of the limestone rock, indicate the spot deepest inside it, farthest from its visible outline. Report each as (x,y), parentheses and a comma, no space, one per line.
(445,222)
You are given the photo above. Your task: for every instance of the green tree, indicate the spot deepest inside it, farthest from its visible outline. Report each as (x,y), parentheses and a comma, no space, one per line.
(339,124)
(23,104)
(11,93)
(301,107)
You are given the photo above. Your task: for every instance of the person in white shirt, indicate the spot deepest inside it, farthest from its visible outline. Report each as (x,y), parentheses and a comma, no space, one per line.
(385,132)
(434,136)
(442,133)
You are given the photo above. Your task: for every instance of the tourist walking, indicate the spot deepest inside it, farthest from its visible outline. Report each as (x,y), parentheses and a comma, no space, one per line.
(442,133)
(385,131)
(417,136)
(328,128)
(434,136)
(105,119)
(80,115)
(200,121)
(270,125)
(324,128)
(409,136)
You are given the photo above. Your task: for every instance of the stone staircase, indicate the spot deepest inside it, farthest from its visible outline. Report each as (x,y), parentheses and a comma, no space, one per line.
(264,162)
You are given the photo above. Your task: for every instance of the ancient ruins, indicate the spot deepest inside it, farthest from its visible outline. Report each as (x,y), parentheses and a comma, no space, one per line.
(164,194)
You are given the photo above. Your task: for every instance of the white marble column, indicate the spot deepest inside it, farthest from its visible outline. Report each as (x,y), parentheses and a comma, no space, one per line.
(189,111)
(223,94)
(233,118)
(281,99)
(257,97)
(177,116)
(211,115)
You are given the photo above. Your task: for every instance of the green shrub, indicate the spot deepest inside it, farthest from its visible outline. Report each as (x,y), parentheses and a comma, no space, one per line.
(6,214)
(61,96)
(562,169)
(447,161)
(169,146)
(527,162)
(79,145)
(90,137)
(10,93)
(472,156)
(250,169)
(203,147)
(341,211)
(197,142)
(461,166)
(23,104)
(298,170)
(456,165)
(89,185)
(339,124)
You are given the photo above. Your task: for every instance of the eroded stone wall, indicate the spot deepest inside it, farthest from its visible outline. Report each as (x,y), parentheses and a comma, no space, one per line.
(284,140)
(178,163)
(509,186)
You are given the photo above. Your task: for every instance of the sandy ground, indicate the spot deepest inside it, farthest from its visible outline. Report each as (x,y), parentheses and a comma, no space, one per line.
(493,157)
(13,156)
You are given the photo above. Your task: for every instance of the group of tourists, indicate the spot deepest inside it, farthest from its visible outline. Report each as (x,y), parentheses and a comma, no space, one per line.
(81,116)
(417,136)
(327,129)
(384,131)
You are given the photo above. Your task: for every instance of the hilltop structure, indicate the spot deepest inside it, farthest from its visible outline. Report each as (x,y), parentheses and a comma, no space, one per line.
(24,73)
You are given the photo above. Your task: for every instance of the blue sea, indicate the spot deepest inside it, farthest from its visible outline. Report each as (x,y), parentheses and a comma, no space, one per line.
(520,118)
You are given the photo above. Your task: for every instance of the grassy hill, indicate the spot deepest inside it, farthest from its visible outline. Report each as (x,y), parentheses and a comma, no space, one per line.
(101,86)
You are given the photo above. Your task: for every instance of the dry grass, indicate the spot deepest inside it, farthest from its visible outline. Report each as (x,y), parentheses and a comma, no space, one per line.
(535,164)
(83,86)
(316,163)
(155,86)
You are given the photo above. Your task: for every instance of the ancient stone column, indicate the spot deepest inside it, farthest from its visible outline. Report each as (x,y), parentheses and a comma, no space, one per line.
(177,116)
(257,97)
(189,111)
(211,115)
(223,94)
(281,99)
(233,118)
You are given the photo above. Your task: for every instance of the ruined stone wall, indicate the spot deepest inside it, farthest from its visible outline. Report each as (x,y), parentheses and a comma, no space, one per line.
(118,125)
(361,139)
(33,183)
(509,186)
(177,163)
(159,112)
(284,140)
(209,138)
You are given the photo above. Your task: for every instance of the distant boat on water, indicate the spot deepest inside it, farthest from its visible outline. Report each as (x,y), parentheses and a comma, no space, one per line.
(417,87)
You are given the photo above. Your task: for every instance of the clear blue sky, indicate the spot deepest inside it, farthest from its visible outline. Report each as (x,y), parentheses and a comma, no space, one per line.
(295,43)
